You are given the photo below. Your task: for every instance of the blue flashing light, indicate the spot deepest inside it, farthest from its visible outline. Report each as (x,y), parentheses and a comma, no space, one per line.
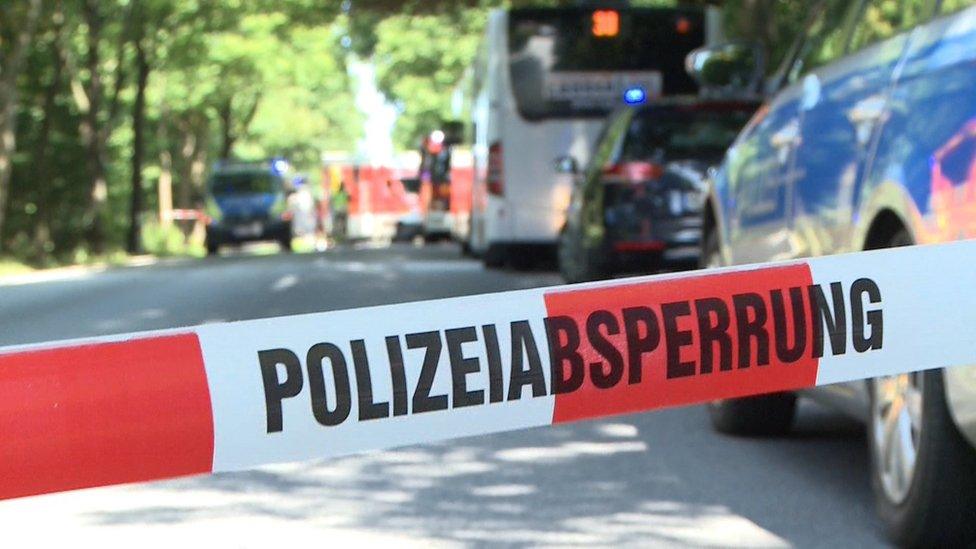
(279,166)
(635,95)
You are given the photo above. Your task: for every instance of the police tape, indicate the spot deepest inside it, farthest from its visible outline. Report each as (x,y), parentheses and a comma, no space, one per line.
(232,396)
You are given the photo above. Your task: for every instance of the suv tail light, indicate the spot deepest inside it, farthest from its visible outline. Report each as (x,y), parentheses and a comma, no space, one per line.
(632,172)
(496,181)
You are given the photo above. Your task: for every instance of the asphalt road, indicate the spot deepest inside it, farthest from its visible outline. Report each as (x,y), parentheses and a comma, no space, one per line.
(652,479)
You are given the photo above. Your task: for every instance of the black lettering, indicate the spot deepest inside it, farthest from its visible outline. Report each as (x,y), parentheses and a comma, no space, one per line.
(711,333)
(875,321)
(784,352)
(676,339)
(604,375)
(422,401)
(316,384)
(461,367)
(522,339)
(364,385)
(751,326)
(564,353)
(274,391)
(836,324)
(398,375)
(496,380)
(638,345)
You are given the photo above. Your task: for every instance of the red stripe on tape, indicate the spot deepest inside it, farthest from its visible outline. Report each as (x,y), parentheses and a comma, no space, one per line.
(680,297)
(103,414)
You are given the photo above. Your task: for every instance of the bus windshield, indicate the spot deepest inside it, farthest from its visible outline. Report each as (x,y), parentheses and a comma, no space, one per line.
(573,62)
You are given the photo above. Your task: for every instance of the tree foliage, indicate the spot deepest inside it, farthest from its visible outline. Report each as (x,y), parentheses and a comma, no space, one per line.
(117,99)
(110,110)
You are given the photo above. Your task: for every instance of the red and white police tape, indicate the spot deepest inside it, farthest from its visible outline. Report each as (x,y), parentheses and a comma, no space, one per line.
(232,396)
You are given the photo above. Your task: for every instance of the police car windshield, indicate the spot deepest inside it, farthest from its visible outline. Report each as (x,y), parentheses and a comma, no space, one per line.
(244,182)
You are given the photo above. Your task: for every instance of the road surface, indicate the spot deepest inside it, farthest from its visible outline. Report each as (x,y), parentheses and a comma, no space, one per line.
(652,479)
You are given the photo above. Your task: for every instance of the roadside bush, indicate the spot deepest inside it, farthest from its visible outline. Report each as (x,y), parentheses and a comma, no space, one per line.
(163,241)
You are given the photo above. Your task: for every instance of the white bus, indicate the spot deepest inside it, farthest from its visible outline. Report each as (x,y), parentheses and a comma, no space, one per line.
(543,81)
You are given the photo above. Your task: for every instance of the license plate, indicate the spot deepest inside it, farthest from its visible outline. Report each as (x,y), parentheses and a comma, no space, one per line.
(243,231)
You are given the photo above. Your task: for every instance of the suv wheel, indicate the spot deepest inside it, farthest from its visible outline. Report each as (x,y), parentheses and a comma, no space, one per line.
(763,415)
(922,470)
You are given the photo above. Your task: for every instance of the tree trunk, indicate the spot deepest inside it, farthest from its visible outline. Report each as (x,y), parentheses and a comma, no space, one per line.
(188,149)
(42,148)
(226,129)
(229,134)
(10,66)
(133,241)
(91,130)
(8,144)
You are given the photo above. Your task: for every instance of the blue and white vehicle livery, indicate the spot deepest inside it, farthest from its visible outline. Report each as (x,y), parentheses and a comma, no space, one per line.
(868,140)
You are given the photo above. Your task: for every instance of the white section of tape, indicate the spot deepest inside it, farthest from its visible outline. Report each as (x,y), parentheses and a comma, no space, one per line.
(928,296)
(230,353)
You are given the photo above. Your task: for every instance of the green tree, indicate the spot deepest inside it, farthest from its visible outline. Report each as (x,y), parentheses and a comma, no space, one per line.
(18,22)
(420,59)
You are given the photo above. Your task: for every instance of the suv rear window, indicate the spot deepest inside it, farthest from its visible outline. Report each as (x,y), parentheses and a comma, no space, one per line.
(659,135)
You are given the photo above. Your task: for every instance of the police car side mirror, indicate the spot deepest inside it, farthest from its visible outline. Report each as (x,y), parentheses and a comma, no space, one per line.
(735,68)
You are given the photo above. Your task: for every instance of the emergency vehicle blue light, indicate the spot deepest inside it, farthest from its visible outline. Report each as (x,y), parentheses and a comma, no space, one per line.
(635,95)
(279,165)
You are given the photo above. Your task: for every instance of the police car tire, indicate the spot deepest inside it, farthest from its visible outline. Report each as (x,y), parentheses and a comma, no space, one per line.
(212,248)
(766,415)
(938,510)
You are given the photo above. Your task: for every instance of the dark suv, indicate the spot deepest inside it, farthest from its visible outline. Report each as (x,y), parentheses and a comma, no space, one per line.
(637,206)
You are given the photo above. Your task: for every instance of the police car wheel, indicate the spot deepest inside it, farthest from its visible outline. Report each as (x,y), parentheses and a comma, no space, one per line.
(285,244)
(212,248)
(765,415)
(923,471)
